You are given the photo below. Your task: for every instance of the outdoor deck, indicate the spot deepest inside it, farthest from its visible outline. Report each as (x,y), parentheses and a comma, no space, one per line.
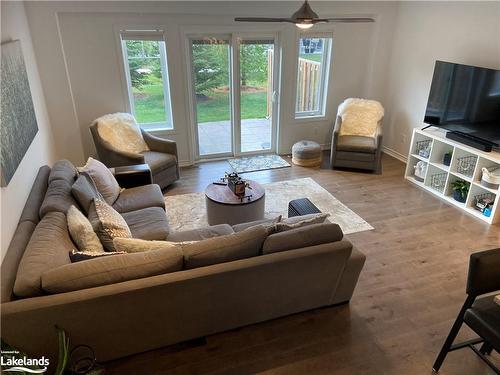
(215,137)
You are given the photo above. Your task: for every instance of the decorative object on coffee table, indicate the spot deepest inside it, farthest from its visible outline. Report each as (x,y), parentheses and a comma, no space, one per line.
(224,207)
(306,154)
(237,185)
(302,206)
(460,190)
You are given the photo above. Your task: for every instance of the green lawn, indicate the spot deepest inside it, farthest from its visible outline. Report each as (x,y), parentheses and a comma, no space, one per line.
(149,105)
(311,57)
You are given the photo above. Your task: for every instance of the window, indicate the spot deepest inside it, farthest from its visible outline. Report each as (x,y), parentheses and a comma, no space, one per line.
(312,76)
(147,78)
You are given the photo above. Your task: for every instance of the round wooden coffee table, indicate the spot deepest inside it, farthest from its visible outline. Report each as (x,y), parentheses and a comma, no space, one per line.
(223,207)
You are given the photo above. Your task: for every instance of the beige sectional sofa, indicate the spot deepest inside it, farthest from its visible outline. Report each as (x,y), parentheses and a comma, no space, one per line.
(286,275)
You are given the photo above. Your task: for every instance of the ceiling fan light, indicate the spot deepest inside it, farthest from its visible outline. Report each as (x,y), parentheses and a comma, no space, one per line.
(304,26)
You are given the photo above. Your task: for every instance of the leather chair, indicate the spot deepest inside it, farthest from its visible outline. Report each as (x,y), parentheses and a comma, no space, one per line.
(162,156)
(482,314)
(353,151)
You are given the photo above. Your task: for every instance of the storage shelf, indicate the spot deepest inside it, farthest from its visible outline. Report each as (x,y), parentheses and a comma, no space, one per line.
(444,168)
(485,188)
(440,146)
(462,176)
(420,157)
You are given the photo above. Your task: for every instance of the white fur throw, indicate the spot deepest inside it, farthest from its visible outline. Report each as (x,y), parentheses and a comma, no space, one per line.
(360,117)
(122,132)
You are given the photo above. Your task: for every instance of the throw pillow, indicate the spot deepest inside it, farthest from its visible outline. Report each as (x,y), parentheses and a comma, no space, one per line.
(299,221)
(107,223)
(240,245)
(84,191)
(122,132)
(78,256)
(82,233)
(136,245)
(103,178)
(309,235)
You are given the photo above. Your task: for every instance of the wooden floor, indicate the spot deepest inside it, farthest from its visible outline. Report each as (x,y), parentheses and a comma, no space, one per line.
(408,294)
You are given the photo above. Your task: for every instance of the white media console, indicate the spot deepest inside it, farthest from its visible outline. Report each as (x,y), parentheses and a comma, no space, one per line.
(439,177)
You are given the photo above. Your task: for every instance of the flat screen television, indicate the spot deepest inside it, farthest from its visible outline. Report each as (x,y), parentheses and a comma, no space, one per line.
(465,100)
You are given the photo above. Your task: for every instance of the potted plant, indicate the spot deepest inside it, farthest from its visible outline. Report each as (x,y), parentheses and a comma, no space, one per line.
(460,190)
(447,158)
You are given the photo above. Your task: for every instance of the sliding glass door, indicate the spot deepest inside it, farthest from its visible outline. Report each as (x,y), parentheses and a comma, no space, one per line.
(256,90)
(234,95)
(210,64)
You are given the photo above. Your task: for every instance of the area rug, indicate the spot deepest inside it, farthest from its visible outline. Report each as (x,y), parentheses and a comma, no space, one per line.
(257,163)
(187,211)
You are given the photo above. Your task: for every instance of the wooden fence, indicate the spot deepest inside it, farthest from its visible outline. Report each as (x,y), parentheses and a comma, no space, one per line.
(307,84)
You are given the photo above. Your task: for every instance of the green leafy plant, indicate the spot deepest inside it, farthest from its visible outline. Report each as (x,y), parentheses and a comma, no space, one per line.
(63,355)
(462,187)
(449,153)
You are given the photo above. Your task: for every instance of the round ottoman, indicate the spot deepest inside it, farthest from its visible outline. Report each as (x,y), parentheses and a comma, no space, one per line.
(306,154)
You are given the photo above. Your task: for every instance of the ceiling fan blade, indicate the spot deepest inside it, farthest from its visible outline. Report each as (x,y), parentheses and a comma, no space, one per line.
(346,19)
(262,19)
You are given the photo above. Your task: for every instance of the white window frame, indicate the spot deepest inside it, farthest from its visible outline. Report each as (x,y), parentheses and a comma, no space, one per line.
(149,35)
(325,75)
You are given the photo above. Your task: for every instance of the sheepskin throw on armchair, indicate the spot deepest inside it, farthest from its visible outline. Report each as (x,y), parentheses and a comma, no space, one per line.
(360,117)
(122,132)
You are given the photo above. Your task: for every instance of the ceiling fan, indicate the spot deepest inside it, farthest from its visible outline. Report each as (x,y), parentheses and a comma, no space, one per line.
(305,18)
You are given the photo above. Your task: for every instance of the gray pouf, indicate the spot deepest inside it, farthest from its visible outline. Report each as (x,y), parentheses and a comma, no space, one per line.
(306,154)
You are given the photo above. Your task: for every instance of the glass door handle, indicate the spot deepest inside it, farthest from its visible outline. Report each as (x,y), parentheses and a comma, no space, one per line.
(275,96)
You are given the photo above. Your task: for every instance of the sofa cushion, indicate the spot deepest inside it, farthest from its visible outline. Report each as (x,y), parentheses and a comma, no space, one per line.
(81,232)
(265,222)
(158,161)
(148,224)
(136,245)
(241,245)
(110,270)
(200,233)
(84,191)
(48,248)
(63,170)
(58,198)
(103,178)
(354,143)
(107,223)
(139,197)
(310,235)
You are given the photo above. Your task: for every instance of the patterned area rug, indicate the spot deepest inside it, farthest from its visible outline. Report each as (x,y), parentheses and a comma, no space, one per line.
(257,163)
(187,211)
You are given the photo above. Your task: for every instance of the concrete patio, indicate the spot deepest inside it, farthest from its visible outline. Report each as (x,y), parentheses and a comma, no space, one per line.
(215,137)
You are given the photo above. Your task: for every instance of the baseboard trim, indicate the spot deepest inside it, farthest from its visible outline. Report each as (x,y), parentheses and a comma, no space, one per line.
(394,154)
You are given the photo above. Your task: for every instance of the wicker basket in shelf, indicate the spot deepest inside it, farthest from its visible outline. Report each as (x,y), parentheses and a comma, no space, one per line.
(466,165)
(423,148)
(438,181)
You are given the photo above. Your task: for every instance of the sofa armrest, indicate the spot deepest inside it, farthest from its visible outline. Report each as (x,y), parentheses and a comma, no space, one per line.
(139,315)
(159,144)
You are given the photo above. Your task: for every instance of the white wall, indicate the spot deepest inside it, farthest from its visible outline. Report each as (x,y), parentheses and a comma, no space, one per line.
(76,44)
(462,32)
(42,149)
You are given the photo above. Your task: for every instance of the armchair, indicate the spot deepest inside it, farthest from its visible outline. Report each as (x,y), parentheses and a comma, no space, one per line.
(160,154)
(356,151)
